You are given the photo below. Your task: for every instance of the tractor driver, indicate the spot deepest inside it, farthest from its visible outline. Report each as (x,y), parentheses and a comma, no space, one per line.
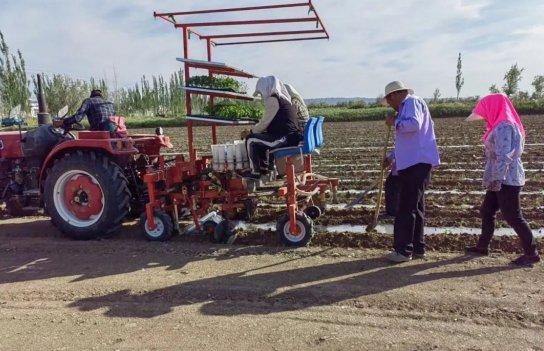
(98,111)
(278,128)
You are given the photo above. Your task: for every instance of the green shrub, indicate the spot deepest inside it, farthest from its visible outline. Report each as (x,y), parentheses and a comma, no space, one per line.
(451,110)
(532,107)
(442,110)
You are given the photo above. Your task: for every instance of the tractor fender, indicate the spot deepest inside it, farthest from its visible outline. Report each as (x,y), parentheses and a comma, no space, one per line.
(115,148)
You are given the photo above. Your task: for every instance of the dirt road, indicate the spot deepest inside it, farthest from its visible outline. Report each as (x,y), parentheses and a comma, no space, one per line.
(125,293)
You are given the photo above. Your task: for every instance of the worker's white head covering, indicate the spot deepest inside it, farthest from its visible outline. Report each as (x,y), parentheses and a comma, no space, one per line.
(294,93)
(268,86)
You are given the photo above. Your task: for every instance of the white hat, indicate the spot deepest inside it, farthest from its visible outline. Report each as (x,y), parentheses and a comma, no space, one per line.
(474,117)
(396,86)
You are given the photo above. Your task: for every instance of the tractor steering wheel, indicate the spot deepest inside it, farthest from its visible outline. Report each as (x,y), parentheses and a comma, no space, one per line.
(65,130)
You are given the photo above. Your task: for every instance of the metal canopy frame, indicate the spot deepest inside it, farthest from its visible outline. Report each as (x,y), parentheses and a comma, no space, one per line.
(176,18)
(179,20)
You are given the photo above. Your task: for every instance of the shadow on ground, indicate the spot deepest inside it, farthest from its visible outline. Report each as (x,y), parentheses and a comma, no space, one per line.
(29,252)
(263,293)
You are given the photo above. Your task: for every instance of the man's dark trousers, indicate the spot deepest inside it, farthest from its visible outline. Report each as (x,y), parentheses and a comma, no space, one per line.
(410,219)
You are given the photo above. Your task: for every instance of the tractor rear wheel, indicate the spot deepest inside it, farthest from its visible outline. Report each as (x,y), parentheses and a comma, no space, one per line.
(86,194)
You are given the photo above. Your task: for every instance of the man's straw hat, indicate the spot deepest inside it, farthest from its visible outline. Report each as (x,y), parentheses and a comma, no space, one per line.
(396,86)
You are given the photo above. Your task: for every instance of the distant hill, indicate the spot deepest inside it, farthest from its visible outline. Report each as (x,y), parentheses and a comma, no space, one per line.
(332,101)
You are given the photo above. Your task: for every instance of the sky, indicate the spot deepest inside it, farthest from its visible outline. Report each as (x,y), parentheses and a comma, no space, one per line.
(372,42)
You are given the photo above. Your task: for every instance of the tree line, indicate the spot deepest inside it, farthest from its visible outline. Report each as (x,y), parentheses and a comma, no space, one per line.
(512,78)
(154,96)
(159,96)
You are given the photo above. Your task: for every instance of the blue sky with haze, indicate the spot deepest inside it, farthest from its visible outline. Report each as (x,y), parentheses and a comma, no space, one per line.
(372,42)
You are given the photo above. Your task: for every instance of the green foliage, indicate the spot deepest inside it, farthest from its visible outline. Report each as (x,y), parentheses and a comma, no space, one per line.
(437,95)
(100,85)
(451,110)
(522,96)
(441,110)
(538,85)
(380,101)
(459,80)
(220,83)
(62,90)
(512,78)
(157,97)
(13,79)
(234,110)
(530,107)
(494,89)
(352,104)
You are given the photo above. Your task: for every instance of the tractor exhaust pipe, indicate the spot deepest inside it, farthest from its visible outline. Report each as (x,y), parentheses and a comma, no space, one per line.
(43,116)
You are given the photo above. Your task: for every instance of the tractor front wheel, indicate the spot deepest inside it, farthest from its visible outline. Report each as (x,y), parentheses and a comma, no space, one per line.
(86,195)
(305,230)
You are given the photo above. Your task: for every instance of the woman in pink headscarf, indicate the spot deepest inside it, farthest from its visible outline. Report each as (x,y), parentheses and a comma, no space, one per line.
(504,175)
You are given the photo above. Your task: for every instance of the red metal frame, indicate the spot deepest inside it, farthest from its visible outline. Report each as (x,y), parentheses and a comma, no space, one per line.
(176,18)
(261,34)
(267,41)
(313,183)
(233,194)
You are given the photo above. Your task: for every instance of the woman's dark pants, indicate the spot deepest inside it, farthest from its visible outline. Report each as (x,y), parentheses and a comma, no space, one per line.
(508,201)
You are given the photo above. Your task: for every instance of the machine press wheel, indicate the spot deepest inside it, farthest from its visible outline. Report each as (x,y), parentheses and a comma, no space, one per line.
(305,228)
(314,212)
(164,226)
(217,232)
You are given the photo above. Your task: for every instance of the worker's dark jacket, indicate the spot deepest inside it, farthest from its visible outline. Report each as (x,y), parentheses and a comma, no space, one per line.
(285,123)
(98,112)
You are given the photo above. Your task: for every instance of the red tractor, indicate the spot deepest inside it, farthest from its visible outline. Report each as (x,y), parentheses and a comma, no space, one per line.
(87,183)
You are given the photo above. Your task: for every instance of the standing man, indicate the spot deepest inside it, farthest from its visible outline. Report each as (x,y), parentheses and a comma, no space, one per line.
(415,154)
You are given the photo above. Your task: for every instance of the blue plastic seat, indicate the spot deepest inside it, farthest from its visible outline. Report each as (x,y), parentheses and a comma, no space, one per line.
(319,139)
(305,148)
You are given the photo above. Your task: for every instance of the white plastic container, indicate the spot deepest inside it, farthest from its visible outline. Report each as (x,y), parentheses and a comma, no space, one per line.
(218,154)
(241,154)
(231,152)
(230,156)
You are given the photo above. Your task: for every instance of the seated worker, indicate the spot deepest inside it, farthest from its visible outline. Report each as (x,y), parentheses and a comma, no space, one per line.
(278,128)
(302,110)
(98,112)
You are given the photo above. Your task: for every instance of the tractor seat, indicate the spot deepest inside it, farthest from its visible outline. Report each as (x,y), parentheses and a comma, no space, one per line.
(306,147)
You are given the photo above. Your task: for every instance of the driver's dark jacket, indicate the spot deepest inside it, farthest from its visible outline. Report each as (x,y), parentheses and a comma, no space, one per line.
(98,112)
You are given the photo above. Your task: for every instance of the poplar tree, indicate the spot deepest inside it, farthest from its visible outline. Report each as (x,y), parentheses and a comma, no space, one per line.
(459,79)
(13,79)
